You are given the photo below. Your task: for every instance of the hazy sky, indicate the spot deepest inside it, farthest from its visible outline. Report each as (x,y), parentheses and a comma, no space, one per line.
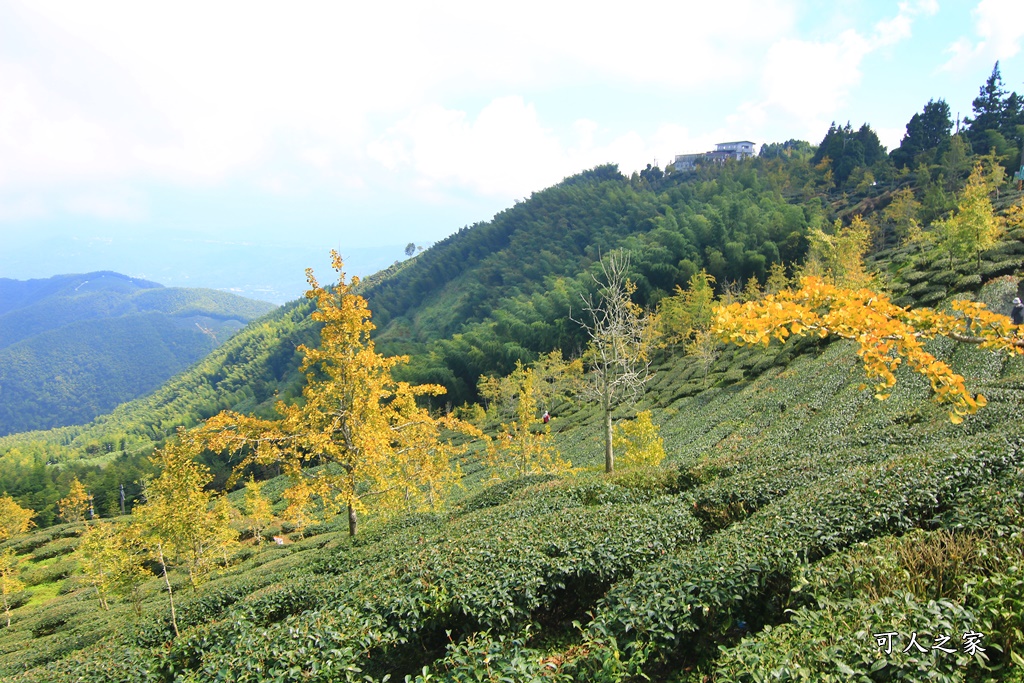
(217,143)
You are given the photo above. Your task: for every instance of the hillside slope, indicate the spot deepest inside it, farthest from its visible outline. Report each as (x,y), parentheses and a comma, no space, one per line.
(796,516)
(502,291)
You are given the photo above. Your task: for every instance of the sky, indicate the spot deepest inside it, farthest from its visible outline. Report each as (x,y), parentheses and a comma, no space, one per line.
(233,144)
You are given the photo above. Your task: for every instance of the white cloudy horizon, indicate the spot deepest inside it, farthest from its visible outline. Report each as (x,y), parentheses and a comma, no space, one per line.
(364,127)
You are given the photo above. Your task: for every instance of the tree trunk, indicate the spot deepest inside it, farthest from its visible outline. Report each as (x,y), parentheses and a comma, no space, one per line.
(609,456)
(170,593)
(352,521)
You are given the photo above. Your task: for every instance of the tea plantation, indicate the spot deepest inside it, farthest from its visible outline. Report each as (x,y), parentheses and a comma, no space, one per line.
(795,520)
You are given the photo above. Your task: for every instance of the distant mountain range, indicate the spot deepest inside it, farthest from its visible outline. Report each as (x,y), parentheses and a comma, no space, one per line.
(180,258)
(75,346)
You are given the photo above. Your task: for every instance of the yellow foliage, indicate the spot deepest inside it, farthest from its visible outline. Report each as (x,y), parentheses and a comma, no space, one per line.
(777,279)
(14,519)
(974,227)
(886,334)
(902,213)
(177,519)
(9,581)
(76,506)
(839,257)
(1015,215)
(378,442)
(640,438)
(111,560)
(551,379)
(519,449)
(687,312)
(258,512)
(302,506)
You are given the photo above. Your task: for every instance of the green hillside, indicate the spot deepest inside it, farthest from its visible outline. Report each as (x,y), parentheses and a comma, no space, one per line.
(799,528)
(73,347)
(796,516)
(488,296)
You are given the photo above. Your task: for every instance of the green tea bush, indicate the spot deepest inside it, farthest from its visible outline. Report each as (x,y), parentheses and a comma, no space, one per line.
(506,570)
(484,657)
(103,661)
(932,584)
(49,572)
(55,548)
(744,573)
(503,492)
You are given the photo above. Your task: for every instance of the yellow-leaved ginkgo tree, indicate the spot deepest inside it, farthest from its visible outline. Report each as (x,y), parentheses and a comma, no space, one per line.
(371,438)
(14,519)
(887,335)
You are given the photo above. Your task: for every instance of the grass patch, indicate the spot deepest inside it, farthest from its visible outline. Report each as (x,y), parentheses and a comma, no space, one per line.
(43,593)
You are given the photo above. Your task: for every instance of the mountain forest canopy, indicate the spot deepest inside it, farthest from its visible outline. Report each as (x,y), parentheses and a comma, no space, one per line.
(73,347)
(769,516)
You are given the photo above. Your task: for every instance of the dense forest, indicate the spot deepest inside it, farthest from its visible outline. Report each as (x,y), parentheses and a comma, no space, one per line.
(823,466)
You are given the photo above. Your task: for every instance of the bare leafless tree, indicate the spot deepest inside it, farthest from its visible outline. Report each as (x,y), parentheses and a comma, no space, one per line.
(617,352)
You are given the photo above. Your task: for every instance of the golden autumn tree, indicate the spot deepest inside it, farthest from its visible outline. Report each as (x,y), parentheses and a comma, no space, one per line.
(519,448)
(177,521)
(301,497)
(111,561)
(839,257)
(257,509)
(76,506)
(887,335)
(687,313)
(902,214)
(777,279)
(223,534)
(640,440)
(369,433)
(10,583)
(973,227)
(14,519)
(552,380)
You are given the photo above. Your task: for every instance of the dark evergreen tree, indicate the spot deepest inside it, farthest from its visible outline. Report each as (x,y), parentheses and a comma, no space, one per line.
(998,121)
(651,173)
(848,149)
(988,108)
(927,131)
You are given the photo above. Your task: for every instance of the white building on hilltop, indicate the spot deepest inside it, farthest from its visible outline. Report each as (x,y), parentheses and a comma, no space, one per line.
(742,149)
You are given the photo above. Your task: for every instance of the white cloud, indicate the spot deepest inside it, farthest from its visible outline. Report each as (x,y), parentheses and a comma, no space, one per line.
(194,92)
(999,32)
(809,81)
(42,135)
(445,95)
(506,151)
(498,153)
(890,136)
(22,207)
(109,204)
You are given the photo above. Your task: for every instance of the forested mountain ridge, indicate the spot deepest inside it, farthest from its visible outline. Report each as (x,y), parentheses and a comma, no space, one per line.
(502,291)
(28,307)
(75,346)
